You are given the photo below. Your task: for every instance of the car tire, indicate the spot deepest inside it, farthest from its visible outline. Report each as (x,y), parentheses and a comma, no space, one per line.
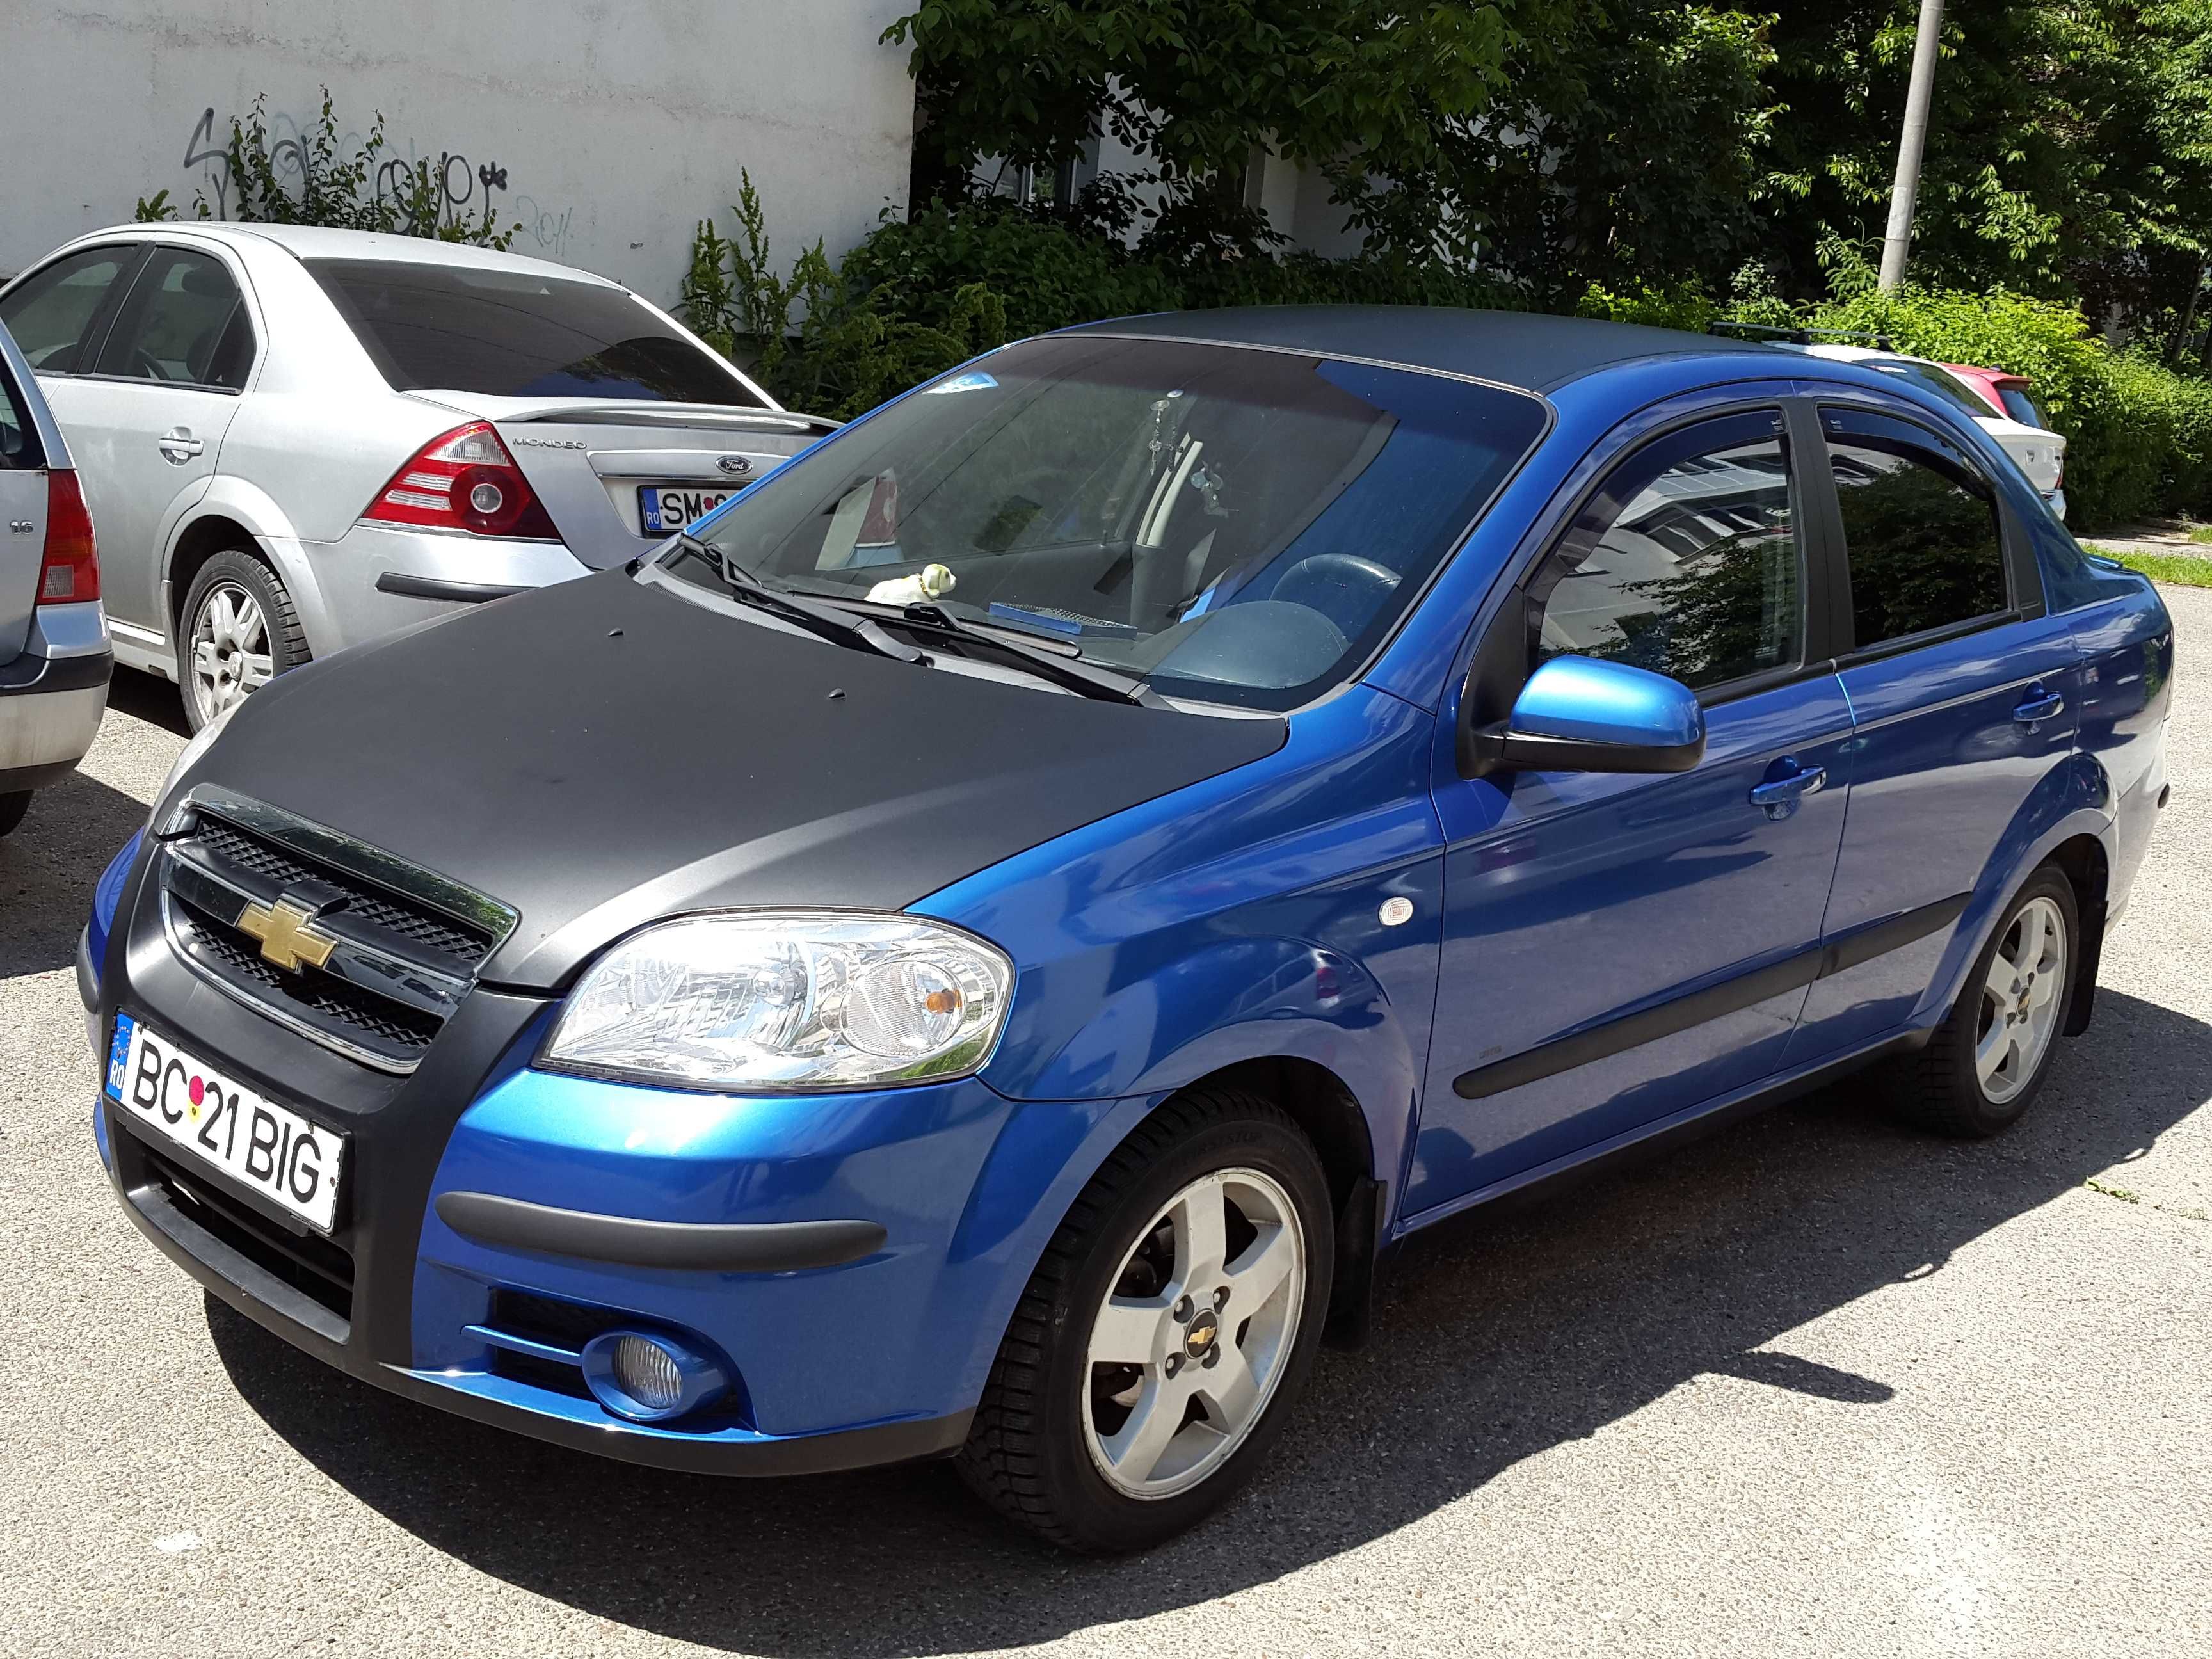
(12,805)
(1987,1061)
(238,629)
(1117,1455)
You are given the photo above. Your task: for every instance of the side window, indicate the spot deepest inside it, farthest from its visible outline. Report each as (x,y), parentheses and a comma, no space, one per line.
(1920,527)
(1687,562)
(19,440)
(185,322)
(50,312)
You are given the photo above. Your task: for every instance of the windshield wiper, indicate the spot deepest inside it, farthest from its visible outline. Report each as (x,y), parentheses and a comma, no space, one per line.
(826,620)
(1089,679)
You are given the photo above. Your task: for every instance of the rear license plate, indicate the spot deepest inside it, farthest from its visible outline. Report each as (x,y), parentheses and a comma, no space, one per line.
(263,1147)
(663,507)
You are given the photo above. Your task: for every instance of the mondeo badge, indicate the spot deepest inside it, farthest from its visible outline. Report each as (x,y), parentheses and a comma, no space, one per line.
(288,934)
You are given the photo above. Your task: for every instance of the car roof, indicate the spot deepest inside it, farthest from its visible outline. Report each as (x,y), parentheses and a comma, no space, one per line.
(322,243)
(1528,350)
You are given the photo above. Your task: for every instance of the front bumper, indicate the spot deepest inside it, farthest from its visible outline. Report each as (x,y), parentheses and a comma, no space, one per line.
(853,1257)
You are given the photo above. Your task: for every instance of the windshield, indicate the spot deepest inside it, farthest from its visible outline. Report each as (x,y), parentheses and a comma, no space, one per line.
(1235,526)
(515,334)
(2021,406)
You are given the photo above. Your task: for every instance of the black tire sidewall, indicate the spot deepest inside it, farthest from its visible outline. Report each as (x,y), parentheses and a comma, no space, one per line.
(1989,1117)
(287,645)
(1103,1519)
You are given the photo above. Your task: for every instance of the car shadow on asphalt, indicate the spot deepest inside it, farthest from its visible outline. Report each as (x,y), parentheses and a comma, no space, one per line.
(50,865)
(1509,1335)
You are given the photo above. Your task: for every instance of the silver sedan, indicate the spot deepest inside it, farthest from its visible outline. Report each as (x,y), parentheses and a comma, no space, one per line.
(294,439)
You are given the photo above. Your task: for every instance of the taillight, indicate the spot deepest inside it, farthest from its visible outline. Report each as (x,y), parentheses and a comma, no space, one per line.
(464,480)
(71,574)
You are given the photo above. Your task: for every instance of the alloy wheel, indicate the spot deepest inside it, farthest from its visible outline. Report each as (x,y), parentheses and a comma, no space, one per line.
(1189,1345)
(230,653)
(2019,1000)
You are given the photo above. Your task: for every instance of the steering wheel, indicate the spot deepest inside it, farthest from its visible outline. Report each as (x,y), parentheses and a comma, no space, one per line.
(1341,586)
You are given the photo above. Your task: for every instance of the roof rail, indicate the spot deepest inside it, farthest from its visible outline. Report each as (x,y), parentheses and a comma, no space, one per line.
(1800,333)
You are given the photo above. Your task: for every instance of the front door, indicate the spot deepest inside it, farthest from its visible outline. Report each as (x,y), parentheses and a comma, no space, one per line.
(146,424)
(1621,948)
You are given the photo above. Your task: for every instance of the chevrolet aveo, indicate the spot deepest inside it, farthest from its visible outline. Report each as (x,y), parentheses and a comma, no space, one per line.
(979,949)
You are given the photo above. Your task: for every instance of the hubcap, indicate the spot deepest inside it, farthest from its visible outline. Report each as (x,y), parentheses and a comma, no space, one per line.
(2019,1000)
(230,650)
(1189,1345)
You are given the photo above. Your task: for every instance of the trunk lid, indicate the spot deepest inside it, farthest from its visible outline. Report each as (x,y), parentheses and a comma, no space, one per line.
(2040,454)
(587,458)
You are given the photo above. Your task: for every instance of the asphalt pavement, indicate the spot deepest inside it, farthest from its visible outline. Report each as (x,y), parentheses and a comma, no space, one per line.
(1815,1385)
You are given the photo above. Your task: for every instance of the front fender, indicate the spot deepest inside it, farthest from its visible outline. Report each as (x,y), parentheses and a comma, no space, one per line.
(1239,919)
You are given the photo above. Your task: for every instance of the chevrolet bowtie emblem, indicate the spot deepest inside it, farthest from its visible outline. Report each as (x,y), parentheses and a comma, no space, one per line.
(287,934)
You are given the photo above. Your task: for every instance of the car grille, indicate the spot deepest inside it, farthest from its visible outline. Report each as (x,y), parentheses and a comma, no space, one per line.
(406,943)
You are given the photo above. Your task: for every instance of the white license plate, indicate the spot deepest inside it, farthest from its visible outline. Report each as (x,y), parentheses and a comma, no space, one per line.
(264,1147)
(662,509)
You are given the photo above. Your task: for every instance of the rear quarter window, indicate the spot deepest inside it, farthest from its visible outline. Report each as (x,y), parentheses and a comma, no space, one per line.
(2021,406)
(515,334)
(19,439)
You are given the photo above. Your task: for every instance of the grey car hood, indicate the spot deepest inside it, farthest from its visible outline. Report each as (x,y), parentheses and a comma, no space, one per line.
(604,752)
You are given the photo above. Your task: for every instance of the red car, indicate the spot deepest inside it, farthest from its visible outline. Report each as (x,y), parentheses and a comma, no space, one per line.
(2007,392)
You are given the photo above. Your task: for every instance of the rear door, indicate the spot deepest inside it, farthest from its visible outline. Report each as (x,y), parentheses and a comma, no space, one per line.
(1619,948)
(1957,679)
(146,424)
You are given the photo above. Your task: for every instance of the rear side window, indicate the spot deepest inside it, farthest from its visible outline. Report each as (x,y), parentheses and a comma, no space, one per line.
(1687,563)
(51,313)
(2021,406)
(1944,384)
(185,323)
(510,334)
(19,440)
(1920,528)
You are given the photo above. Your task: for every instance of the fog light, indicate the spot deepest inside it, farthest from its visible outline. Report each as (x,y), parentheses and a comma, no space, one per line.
(486,498)
(649,1377)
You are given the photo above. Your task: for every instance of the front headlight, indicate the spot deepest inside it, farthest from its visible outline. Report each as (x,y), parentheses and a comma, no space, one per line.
(785,1000)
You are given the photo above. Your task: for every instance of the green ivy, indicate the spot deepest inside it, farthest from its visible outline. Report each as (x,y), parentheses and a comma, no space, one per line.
(360,189)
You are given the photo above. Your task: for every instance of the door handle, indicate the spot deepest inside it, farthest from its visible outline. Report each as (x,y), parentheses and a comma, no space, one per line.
(178,445)
(2041,705)
(1778,797)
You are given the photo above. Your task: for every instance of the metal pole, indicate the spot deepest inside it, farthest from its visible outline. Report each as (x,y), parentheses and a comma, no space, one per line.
(1910,142)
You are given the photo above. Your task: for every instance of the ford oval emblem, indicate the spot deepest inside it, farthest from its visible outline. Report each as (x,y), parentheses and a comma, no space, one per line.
(734,466)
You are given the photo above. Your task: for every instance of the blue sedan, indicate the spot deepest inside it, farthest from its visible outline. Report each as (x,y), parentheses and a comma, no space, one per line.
(981,946)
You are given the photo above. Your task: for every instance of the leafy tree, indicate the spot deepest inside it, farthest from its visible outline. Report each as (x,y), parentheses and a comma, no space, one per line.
(1198,85)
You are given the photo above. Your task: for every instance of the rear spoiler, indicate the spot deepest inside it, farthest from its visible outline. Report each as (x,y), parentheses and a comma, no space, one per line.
(628,413)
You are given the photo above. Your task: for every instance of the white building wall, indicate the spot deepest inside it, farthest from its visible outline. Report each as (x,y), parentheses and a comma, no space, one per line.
(607,127)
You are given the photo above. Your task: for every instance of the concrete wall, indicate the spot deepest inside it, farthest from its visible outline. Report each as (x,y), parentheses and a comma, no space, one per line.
(606,127)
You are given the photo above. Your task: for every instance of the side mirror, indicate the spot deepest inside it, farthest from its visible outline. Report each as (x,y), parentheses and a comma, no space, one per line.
(1584,715)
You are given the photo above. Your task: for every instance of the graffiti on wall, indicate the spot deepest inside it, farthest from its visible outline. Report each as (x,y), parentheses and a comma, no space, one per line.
(459,190)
